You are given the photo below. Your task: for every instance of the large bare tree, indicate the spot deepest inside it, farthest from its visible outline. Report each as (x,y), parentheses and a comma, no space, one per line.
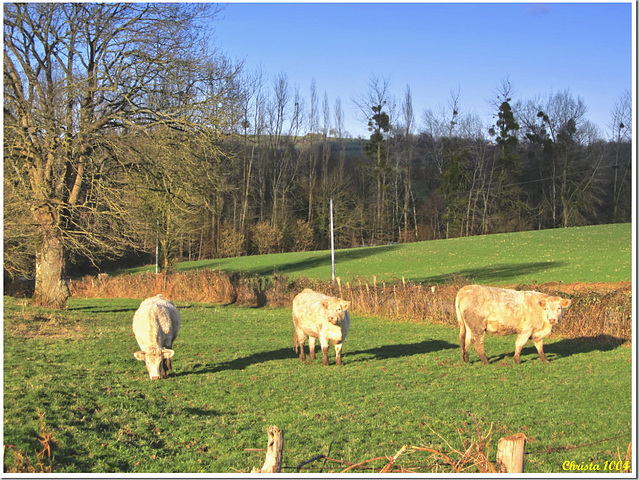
(80,80)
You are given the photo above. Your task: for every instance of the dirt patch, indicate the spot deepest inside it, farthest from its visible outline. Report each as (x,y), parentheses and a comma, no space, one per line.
(44,326)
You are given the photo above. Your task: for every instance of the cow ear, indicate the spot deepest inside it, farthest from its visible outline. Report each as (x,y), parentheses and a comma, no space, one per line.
(167,353)
(346,305)
(543,303)
(324,304)
(565,303)
(139,355)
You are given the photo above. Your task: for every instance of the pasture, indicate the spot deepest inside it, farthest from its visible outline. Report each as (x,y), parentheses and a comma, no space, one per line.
(600,253)
(235,373)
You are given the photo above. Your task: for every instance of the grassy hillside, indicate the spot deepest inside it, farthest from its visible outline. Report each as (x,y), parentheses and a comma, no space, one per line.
(235,373)
(584,254)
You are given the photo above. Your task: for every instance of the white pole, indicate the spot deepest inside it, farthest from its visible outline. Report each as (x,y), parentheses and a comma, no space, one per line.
(157,227)
(333,258)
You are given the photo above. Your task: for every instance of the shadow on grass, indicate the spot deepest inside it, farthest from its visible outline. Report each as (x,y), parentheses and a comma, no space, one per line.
(94,309)
(562,348)
(98,309)
(403,350)
(205,413)
(241,363)
(386,351)
(493,273)
(572,346)
(311,263)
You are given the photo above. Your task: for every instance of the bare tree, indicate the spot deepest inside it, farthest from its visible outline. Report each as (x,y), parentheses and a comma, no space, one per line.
(78,79)
(568,170)
(252,101)
(405,163)
(326,151)
(284,118)
(314,123)
(340,133)
(621,132)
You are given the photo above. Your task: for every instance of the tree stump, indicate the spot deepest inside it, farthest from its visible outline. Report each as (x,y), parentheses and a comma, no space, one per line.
(275,444)
(510,456)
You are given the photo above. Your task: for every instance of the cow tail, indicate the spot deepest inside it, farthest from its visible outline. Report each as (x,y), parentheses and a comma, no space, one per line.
(295,332)
(461,324)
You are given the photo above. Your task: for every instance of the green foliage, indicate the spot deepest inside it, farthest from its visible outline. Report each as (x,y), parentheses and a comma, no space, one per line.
(235,373)
(507,126)
(581,254)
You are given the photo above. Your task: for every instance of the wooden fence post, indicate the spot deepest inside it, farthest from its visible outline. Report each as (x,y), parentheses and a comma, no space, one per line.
(273,459)
(510,456)
(375,294)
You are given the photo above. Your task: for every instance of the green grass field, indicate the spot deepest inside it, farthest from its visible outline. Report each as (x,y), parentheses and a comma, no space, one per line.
(235,373)
(583,254)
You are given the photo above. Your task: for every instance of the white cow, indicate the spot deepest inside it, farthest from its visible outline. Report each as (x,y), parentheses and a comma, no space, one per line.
(156,324)
(529,315)
(320,316)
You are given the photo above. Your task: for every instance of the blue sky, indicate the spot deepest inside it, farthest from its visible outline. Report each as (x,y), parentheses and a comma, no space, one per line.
(437,48)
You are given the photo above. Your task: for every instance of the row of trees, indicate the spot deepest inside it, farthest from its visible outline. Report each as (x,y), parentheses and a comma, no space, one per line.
(542,164)
(122,131)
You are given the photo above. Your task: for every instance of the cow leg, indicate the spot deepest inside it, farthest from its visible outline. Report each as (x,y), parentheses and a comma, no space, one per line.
(520,341)
(338,347)
(539,346)
(298,338)
(312,348)
(478,344)
(324,343)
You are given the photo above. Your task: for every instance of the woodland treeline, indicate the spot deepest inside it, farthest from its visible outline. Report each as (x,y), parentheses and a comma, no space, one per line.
(123,132)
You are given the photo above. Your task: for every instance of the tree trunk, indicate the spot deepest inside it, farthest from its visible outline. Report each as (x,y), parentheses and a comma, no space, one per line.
(51,291)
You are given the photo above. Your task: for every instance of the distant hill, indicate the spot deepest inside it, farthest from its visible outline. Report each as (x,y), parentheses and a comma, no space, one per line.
(581,254)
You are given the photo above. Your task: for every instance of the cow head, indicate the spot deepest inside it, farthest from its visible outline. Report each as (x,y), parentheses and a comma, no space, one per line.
(554,308)
(154,360)
(336,309)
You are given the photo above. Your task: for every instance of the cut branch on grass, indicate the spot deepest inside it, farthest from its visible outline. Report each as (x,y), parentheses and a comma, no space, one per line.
(356,465)
(393,459)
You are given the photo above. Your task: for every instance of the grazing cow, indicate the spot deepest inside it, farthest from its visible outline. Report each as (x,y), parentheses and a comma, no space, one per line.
(156,324)
(320,316)
(529,315)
